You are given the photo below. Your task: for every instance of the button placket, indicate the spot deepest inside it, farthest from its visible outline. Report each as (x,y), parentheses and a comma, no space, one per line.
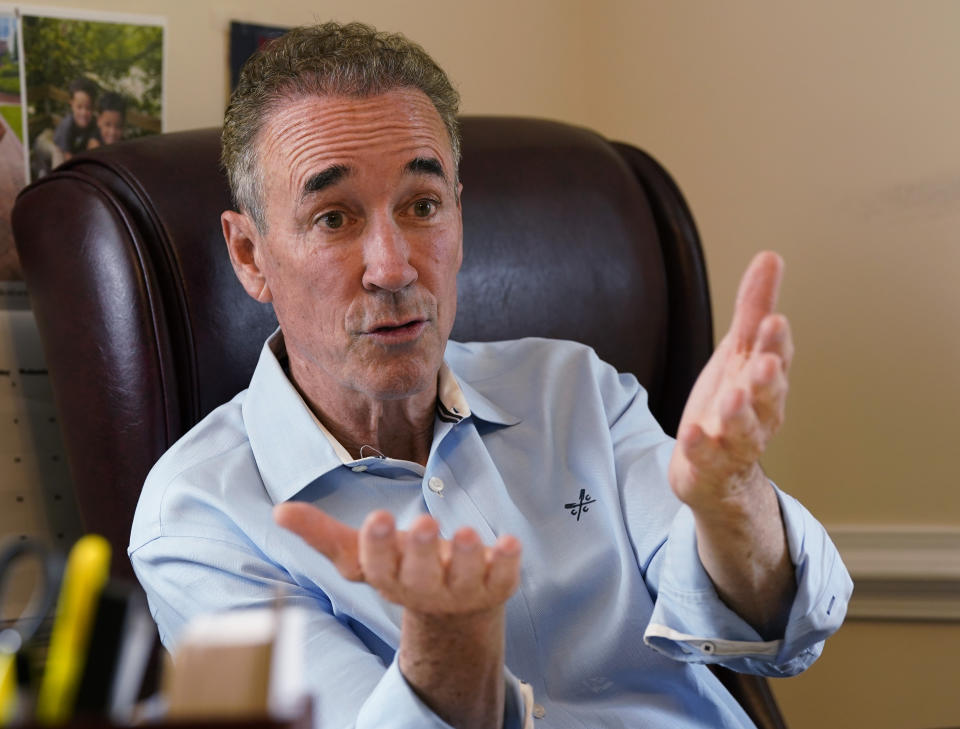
(453,508)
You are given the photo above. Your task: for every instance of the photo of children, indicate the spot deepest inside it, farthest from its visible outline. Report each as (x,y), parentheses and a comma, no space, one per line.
(12,171)
(90,81)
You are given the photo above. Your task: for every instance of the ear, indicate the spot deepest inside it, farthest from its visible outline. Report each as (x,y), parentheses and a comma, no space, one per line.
(244,244)
(460,213)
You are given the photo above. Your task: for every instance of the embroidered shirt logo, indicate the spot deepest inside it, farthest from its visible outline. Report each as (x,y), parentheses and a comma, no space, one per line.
(579,507)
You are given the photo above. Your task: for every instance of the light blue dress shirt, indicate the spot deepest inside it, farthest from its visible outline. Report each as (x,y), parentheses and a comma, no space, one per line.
(614,615)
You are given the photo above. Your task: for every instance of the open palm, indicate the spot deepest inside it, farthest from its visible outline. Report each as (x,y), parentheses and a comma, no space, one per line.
(738,401)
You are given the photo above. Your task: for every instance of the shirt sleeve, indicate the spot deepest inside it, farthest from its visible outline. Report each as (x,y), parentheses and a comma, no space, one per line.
(61,136)
(691,623)
(351,685)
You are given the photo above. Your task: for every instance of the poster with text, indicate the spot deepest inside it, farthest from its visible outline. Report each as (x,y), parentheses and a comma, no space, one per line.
(245,39)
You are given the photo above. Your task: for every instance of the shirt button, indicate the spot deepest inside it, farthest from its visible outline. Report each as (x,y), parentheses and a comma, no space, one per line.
(436,485)
(538,711)
(358,469)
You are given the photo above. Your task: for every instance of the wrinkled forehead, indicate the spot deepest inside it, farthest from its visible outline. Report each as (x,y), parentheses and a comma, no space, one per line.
(306,131)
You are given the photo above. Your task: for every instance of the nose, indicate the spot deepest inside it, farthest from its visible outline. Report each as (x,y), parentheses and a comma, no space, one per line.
(386,255)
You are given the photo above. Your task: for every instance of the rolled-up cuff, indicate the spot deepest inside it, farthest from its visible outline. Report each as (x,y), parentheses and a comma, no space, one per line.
(691,623)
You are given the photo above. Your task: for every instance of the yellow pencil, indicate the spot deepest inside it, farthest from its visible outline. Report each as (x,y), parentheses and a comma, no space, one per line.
(87,569)
(8,687)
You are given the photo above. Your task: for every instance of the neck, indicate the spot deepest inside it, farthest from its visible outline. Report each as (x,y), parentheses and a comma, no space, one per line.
(392,429)
(401,428)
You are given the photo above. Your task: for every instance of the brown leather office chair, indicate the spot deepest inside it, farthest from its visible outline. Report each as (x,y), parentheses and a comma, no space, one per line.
(146,328)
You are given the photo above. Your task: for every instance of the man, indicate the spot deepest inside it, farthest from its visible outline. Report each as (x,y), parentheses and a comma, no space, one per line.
(342,151)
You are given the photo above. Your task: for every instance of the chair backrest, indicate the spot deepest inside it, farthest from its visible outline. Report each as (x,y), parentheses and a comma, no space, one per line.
(146,329)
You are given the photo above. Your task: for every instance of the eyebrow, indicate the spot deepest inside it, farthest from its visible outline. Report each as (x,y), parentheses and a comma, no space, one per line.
(428,166)
(335,173)
(325,178)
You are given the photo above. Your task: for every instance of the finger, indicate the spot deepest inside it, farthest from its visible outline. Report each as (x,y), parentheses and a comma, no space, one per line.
(332,538)
(691,439)
(728,446)
(768,390)
(774,336)
(503,568)
(739,439)
(421,568)
(465,575)
(756,297)
(379,552)
(698,449)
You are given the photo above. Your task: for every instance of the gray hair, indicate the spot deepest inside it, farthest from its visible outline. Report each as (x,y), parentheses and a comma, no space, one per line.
(323,60)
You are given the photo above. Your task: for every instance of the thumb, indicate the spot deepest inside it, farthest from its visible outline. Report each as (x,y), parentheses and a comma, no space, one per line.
(332,538)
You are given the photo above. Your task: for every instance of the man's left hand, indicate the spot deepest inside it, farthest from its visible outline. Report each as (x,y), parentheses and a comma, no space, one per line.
(736,406)
(737,403)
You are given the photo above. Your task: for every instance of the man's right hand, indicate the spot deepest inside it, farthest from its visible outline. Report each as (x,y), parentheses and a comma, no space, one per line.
(415,568)
(453,592)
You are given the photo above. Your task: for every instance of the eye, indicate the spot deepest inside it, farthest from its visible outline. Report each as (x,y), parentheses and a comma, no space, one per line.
(332,220)
(424,208)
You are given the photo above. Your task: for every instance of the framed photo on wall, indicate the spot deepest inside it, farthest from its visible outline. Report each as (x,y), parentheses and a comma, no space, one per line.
(69,81)
(12,165)
(90,81)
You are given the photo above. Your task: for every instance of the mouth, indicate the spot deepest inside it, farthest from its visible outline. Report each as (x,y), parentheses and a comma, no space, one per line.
(396,332)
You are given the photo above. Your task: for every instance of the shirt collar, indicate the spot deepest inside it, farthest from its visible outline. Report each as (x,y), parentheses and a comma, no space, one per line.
(292,447)
(453,391)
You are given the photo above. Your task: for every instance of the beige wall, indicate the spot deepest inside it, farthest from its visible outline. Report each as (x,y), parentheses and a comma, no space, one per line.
(878,676)
(830,134)
(828,131)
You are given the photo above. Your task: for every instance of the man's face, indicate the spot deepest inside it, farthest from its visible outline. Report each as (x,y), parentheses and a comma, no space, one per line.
(81,105)
(363,241)
(110,124)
